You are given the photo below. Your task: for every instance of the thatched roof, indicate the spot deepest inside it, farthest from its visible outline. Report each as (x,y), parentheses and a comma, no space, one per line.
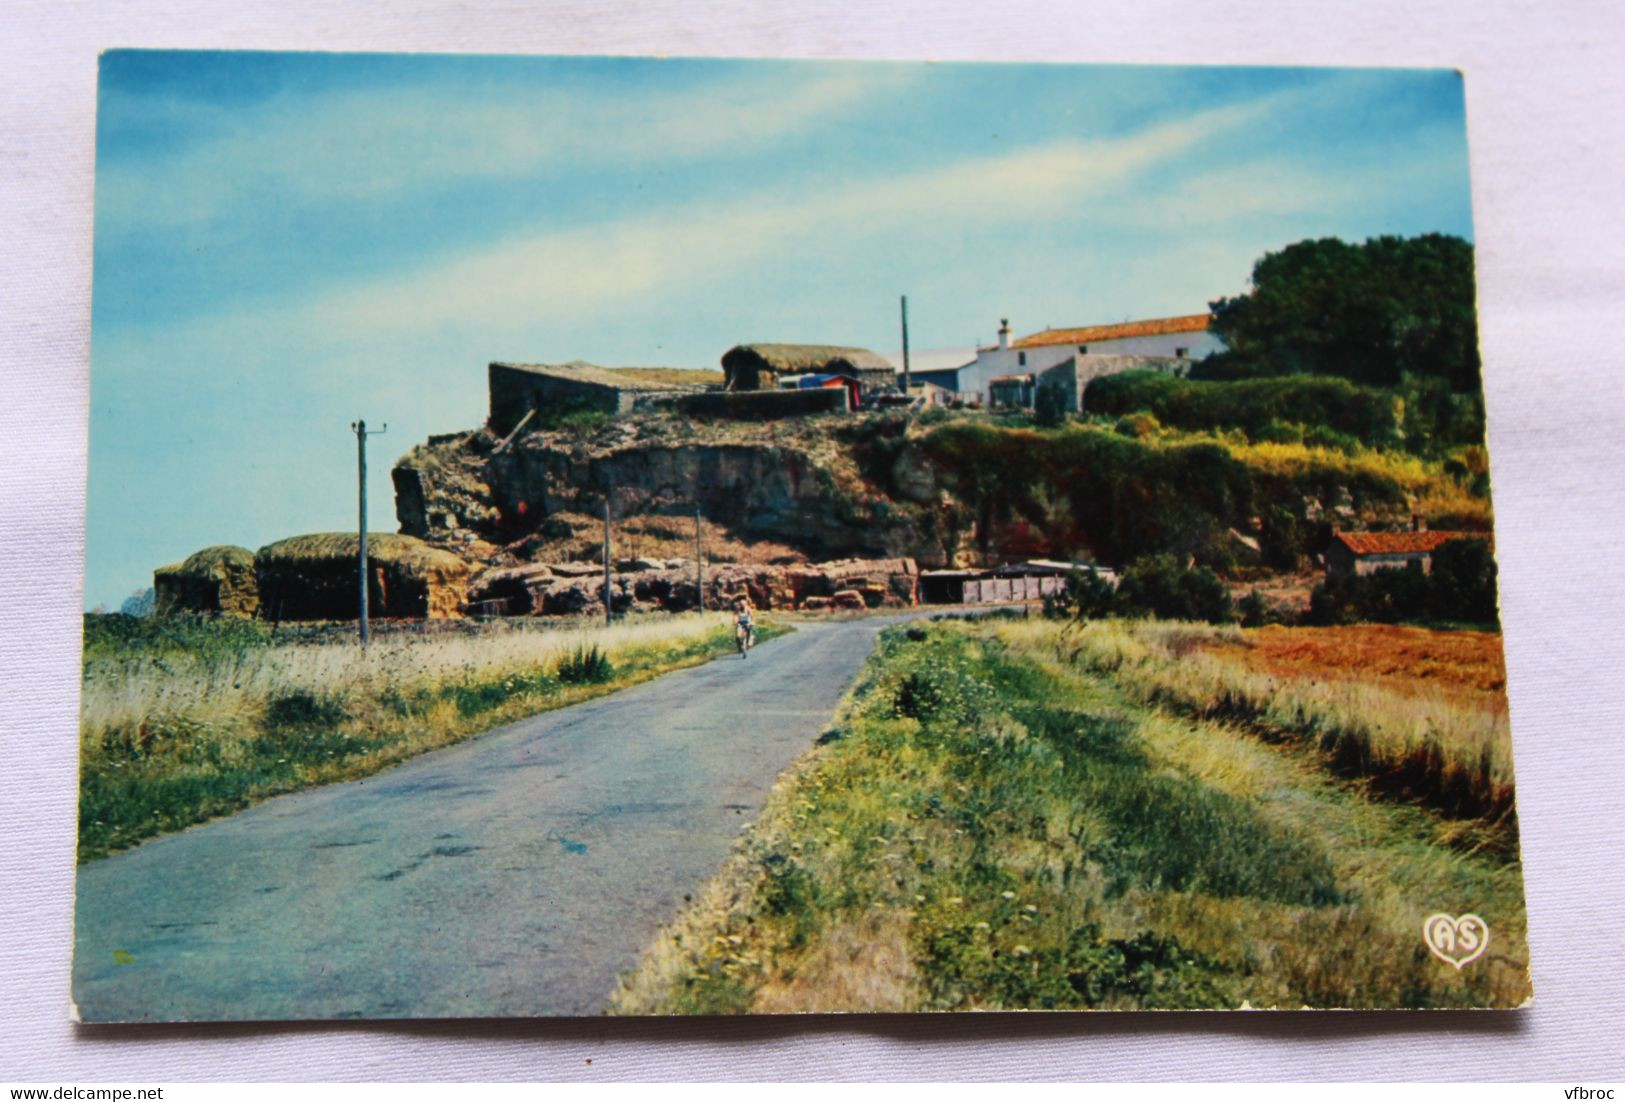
(383,548)
(219,579)
(798,359)
(214,563)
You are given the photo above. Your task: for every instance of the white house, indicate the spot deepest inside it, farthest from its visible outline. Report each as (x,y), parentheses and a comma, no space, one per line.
(1158,342)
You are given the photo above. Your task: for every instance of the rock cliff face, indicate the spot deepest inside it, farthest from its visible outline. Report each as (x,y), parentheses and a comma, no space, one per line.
(944,490)
(674,586)
(801,487)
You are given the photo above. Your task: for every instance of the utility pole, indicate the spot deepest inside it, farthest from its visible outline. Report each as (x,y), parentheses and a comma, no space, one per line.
(361,434)
(699,565)
(905,346)
(607,606)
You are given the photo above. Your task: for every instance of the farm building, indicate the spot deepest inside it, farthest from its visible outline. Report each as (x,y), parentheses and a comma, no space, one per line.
(1084,354)
(1025,581)
(1367,552)
(518,389)
(760,366)
(314,578)
(215,581)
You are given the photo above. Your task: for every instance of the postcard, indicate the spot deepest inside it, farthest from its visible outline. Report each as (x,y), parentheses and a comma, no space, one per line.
(585,535)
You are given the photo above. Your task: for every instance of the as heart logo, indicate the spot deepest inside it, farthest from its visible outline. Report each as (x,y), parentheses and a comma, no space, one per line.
(1456,941)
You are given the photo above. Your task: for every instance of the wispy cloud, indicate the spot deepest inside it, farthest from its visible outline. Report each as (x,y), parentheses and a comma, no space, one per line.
(581,270)
(375,144)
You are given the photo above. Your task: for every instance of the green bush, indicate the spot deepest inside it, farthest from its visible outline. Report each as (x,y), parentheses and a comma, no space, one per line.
(1158,585)
(1137,425)
(1460,589)
(1123,497)
(585,666)
(1279,432)
(1049,405)
(1258,407)
(1320,436)
(304,710)
(1255,610)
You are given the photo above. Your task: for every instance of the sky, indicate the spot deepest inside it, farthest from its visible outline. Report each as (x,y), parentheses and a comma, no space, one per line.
(285,243)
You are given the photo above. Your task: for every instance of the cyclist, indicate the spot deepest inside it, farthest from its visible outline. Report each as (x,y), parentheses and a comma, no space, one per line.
(744,625)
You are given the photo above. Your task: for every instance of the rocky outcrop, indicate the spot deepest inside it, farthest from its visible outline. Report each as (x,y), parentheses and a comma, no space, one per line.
(577,589)
(799,486)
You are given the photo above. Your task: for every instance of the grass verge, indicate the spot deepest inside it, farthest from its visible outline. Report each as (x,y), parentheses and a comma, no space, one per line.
(181,722)
(999,828)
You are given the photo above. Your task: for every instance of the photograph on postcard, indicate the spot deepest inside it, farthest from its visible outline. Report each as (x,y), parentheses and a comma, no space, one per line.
(585,535)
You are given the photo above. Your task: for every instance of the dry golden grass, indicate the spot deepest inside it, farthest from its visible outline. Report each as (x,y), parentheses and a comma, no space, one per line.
(224,695)
(1451,747)
(169,737)
(672,376)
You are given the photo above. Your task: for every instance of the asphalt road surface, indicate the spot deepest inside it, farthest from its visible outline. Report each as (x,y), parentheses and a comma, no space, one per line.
(516,873)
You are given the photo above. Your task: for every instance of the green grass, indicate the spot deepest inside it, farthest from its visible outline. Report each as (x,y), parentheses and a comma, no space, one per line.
(998,829)
(183,721)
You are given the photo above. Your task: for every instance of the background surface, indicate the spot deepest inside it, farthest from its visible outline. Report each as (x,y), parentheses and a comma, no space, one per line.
(1546,122)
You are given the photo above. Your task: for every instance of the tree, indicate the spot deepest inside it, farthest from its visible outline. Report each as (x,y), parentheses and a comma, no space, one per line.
(1160,586)
(138,604)
(1372,313)
(1049,405)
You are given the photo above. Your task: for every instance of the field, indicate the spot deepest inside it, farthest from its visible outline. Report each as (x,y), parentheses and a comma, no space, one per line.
(1021,813)
(181,720)
(1413,661)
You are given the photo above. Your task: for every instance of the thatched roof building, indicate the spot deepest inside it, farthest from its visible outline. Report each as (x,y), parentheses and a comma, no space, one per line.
(217,580)
(758,366)
(314,578)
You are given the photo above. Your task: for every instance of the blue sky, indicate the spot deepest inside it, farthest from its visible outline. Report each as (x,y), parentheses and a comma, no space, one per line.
(286,242)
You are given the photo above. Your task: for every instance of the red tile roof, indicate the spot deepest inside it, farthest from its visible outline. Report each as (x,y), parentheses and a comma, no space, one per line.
(1155,327)
(1400,543)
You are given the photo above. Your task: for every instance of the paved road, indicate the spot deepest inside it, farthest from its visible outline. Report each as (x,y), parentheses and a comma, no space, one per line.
(513,874)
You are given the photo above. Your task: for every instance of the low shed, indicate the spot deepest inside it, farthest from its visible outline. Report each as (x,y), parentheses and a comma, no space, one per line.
(517,389)
(1367,552)
(314,578)
(759,366)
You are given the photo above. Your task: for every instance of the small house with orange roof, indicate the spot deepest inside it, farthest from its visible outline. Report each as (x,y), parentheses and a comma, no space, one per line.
(1072,357)
(1367,552)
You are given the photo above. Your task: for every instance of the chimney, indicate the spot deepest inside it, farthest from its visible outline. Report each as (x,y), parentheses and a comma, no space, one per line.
(1004,332)
(1418,523)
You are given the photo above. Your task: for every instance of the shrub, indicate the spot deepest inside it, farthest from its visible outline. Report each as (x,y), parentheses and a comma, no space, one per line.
(1255,406)
(1160,586)
(1049,405)
(1463,582)
(304,710)
(1137,425)
(1255,610)
(1460,588)
(585,666)
(1279,432)
(1322,436)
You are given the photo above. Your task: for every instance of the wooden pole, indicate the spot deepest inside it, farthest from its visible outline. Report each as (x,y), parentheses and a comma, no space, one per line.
(608,608)
(699,565)
(361,434)
(905,346)
(361,480)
